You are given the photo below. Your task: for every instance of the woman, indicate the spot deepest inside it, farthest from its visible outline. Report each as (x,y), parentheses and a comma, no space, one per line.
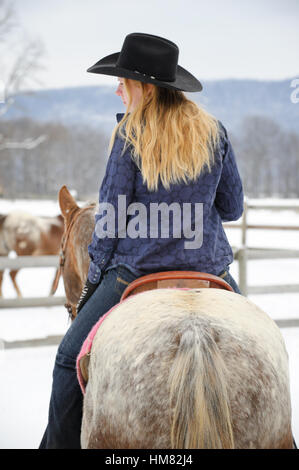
(170,181)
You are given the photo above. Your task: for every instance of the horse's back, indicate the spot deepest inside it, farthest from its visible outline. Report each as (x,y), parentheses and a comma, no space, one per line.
(127,397)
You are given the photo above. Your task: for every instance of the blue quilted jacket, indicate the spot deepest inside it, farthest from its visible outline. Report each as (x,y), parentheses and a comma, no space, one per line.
(141,242)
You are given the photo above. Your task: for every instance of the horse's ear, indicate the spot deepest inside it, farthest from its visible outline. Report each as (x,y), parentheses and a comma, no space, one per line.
(67,202)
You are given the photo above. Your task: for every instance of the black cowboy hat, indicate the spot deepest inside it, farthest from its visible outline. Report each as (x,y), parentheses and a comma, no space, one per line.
(149,59)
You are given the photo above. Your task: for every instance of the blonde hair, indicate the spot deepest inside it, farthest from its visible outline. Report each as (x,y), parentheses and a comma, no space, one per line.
(171,136)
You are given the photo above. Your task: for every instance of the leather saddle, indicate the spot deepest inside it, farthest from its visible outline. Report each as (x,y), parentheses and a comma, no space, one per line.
(165,279)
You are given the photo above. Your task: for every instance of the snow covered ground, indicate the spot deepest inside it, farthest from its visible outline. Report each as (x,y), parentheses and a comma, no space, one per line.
(26,372)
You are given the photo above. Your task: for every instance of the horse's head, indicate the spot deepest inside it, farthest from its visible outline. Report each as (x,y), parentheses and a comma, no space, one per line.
(74,257)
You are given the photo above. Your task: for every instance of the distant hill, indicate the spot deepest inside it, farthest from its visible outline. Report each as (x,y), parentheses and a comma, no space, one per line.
(229,100)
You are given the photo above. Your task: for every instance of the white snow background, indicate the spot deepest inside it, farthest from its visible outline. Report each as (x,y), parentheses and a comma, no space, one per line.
(26,373)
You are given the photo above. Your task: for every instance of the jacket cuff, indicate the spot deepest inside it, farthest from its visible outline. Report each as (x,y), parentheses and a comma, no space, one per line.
(94,273)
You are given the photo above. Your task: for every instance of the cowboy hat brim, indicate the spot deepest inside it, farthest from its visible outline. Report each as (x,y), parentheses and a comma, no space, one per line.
(184,81)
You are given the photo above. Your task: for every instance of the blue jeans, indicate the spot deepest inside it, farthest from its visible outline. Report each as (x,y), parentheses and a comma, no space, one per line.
(66,403)
(65,411)
(226,275)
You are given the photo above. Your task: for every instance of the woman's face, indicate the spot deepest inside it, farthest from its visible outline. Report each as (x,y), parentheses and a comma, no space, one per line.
(136,92)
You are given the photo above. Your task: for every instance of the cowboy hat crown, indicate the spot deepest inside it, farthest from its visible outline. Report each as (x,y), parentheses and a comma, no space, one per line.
(149,59)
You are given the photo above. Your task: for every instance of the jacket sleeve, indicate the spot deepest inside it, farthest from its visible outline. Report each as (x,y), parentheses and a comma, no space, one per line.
(116,193)
(229,194)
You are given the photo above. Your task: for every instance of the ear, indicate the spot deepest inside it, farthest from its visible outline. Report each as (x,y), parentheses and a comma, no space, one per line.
(67,203)
(149,88)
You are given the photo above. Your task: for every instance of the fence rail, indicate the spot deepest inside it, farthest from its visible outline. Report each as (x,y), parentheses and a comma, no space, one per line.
(30,262)
(244,254)
(24,302)
(19,262)
(31,343)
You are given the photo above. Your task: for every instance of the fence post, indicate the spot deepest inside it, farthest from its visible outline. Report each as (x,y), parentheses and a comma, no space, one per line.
(242,252)
(242,258)
(244,222)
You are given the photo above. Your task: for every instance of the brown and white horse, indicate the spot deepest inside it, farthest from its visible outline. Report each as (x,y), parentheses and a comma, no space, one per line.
(175,368)
(28,235)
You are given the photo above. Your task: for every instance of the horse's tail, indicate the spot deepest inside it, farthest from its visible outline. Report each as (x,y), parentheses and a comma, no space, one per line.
(198,393)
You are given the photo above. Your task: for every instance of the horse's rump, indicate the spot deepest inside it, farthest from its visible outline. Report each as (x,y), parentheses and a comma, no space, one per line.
(134,372)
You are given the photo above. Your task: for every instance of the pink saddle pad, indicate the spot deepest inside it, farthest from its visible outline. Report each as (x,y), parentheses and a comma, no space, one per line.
(84,354)
(82,361)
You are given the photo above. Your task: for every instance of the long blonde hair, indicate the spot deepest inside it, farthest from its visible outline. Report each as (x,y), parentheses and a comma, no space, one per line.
(171,136)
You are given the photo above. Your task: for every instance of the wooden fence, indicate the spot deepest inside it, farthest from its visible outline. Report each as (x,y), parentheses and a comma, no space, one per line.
(242,254)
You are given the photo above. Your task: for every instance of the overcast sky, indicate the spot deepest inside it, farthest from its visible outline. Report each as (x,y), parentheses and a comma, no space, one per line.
(217,38)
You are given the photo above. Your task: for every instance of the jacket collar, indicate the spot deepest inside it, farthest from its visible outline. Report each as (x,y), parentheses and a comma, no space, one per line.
(119,116)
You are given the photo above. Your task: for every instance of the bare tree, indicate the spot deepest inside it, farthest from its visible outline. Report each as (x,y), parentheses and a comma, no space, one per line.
(26,144)
(21,72)
(269,158)
(72,155)
(7,19)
